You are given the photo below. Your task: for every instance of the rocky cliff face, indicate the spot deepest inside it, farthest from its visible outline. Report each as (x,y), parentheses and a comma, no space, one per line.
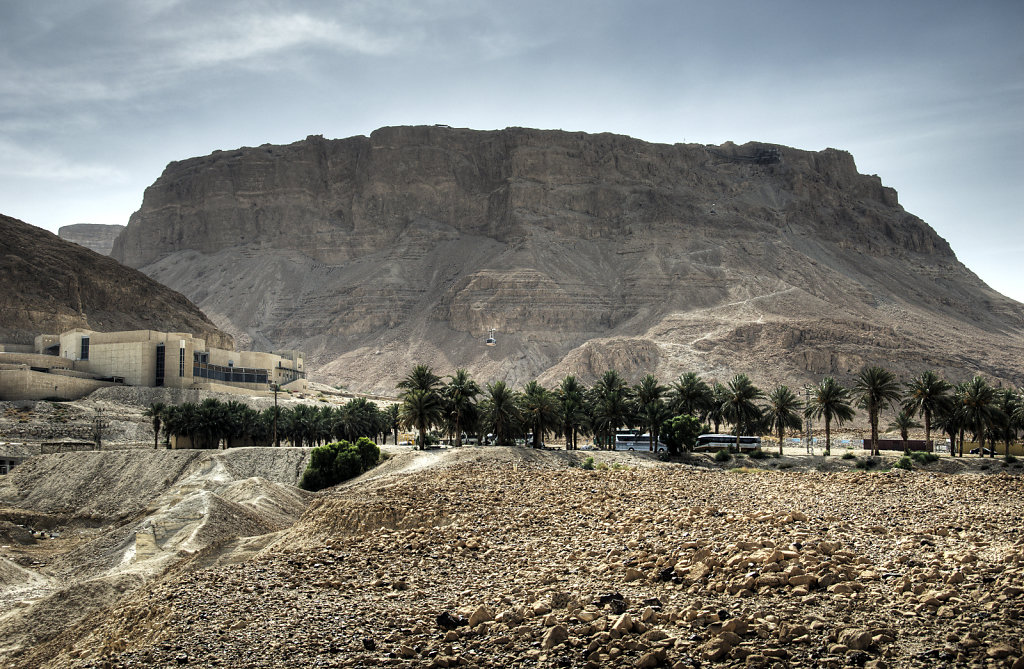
(94,236)
(51,285)
(584,251)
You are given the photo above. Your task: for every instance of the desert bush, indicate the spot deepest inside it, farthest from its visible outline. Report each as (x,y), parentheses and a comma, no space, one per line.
(588,463)
(369,453)
(905,462)
(723,455)
(758,454)
(923,457)
(602,466)
(866,463)
(848,456)
(339,461)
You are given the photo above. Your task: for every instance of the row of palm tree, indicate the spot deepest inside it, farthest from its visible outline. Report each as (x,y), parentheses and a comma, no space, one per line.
(459,405)
(212,423)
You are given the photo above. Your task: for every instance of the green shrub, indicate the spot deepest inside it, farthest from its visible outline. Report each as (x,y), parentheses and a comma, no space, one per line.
(758,454)
(602,466)
(866,463)
(848,456)
(369,453)
(923,457)
(339,461)
(905,462)
(723,455)
(588,463)
(1010,460)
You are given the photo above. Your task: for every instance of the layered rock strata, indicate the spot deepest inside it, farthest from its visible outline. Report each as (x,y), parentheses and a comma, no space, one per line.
(584,252)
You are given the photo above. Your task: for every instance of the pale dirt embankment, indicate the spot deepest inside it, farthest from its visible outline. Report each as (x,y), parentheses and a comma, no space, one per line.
(112,521)
(542,564)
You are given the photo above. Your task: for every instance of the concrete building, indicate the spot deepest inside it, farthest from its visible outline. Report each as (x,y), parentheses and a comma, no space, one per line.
(76,362)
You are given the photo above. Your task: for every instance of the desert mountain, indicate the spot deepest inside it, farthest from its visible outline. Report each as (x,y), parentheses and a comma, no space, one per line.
(98,237)
(585,252)
(51,285)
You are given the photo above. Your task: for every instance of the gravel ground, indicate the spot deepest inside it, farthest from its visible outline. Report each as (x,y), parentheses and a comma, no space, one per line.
(511,557)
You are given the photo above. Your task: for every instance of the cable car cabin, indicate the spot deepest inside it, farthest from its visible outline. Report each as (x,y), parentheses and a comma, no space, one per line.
(490,341)
(716,442)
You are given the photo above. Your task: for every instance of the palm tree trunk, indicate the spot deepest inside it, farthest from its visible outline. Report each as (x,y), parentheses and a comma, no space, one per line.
(928,430)
(781,435)
(828,437)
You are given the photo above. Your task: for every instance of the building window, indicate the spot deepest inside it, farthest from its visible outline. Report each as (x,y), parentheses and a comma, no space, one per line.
(85,349)
(181,362)
(160,361)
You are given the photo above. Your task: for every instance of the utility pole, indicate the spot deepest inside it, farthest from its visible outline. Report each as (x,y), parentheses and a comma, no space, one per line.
(98,425)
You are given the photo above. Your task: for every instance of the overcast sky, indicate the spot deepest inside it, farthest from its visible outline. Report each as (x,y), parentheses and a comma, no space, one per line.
(97,96)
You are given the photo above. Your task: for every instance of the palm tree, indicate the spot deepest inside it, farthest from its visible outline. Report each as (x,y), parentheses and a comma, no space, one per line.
(1007,404)
(460,402)
(500,413)
(421,377)
(905,422)
(949,417)
(155,411)
(875,388)
(980,410)
(691,396)
(738,405)
(927,395)
(539,410)
(421,409)
(718,396)
(391,420)
(238,419)
(611,406)
(650,407)
(571,410)
(783,411)
(830,401)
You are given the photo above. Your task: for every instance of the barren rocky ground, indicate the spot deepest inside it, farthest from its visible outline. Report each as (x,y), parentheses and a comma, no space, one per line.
(511,557)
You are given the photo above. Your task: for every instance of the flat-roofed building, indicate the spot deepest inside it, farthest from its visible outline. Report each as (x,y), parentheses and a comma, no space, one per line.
(74,363)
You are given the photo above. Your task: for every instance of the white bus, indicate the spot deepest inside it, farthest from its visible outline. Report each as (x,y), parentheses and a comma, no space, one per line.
(630,440)
(716,442)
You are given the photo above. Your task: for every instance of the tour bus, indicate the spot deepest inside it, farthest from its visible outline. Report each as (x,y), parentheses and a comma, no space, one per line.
(631,440)
(716,442)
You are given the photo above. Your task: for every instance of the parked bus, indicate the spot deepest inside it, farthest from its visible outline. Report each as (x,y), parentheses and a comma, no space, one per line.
(716,442)
(631,440)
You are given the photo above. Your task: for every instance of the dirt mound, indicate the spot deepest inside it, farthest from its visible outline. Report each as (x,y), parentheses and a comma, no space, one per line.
(511,557)
(125,518)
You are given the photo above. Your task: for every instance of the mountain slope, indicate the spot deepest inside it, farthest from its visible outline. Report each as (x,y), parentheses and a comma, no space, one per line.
(51,285)
(584,251)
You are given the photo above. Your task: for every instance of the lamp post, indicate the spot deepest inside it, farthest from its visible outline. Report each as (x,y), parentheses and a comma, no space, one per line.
(809,434)
(275,387)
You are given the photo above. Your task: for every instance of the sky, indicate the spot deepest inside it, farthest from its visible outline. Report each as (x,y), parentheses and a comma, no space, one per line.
(97,96)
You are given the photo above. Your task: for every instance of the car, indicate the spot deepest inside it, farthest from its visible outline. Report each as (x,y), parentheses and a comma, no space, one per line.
(983,451)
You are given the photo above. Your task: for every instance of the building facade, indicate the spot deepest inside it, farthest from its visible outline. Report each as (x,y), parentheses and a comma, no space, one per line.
(76,362)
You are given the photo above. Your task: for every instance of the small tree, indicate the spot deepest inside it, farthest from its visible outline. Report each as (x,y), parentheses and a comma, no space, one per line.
(681,433)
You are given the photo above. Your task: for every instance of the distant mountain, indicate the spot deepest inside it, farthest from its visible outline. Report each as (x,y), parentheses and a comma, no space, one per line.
(585,252)
(51,285)
(98,237)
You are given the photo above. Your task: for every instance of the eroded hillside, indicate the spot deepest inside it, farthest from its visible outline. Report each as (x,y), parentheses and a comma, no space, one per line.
(584,251)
